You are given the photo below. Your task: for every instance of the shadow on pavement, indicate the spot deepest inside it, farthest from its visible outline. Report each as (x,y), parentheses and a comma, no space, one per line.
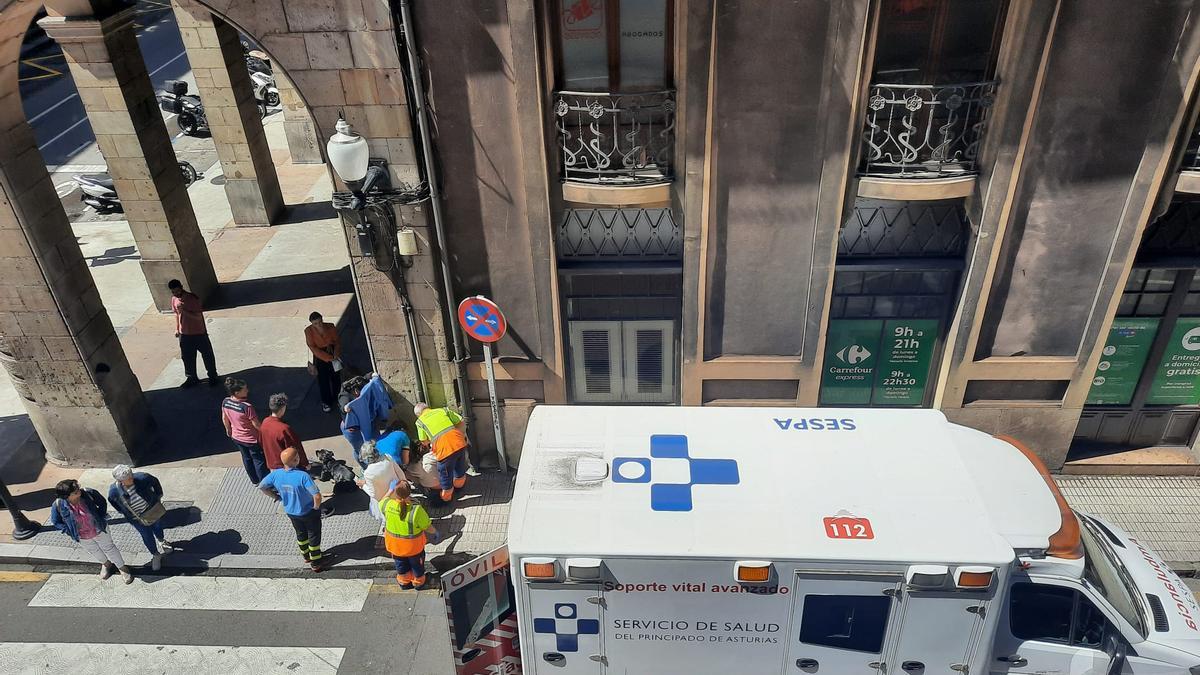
(205,547)
(21,454)
(189,420)
(36,500)
(307,213)
(362,548)
(281,288)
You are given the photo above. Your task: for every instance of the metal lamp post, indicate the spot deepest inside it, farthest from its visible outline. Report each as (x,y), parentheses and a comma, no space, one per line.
(23,528)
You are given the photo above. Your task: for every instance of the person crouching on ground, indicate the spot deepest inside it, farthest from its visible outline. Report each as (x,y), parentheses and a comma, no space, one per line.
(381,472)
(301,502)
(422,472)
(138,497)
(82,515)
(442,430)
(406,525)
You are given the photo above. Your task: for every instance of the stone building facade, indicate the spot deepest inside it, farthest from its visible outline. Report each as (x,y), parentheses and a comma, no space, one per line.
(906,203)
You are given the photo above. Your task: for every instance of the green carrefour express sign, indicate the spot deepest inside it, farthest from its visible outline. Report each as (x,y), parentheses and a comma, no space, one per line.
(851,350)
(904,367)
(1121,362)
(1177,377)
(876,362)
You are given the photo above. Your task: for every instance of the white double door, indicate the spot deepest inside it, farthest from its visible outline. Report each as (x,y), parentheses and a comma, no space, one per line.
(623,361)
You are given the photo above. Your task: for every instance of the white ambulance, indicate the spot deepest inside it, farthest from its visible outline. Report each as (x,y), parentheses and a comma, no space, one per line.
(674,540)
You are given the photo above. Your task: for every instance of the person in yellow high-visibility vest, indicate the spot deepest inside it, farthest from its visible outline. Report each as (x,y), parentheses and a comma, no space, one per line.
(406,525)
(443,429)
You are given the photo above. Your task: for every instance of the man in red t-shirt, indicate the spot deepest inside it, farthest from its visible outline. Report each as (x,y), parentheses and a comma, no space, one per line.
(192,334)
(277,436)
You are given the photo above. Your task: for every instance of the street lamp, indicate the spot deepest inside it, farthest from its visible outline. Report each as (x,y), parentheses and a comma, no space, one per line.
(23,528)
(370,187)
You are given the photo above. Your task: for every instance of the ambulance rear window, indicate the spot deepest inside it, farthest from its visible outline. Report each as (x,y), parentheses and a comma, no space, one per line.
(852,622)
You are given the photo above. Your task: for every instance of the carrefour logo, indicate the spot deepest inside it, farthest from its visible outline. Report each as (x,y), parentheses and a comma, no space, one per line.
(674,473)
(854,354)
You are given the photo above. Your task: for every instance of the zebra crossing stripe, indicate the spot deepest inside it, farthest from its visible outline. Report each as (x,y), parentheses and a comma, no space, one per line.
(239,594)
(56,657)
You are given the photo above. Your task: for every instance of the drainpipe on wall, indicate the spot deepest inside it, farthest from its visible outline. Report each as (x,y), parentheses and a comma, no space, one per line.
(410,325)
(402,22)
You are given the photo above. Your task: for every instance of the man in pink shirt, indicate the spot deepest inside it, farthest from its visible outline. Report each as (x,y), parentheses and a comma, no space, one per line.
(192,334)
(242,427)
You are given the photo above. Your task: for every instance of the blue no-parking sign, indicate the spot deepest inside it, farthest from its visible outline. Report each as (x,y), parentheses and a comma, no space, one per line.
(482,319)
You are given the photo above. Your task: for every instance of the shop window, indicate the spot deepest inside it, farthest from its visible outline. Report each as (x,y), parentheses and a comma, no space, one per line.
(614,45)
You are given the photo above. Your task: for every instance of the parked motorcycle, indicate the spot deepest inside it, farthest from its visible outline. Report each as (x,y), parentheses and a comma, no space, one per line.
(256,61)
(189,110)
(187,107)
(99,193)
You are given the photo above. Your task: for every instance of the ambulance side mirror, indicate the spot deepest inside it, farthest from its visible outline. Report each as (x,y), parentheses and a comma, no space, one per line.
(1115,647)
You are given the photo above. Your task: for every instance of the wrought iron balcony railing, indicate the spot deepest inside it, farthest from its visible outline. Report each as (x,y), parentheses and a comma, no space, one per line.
(616,139)
(925,131)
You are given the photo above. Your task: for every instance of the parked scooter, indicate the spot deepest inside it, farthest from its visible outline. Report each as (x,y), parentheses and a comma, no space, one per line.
(99,193)
(264,89)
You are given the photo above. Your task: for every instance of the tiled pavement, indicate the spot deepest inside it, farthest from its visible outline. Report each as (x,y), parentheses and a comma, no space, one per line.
(1163,511)
(243,528)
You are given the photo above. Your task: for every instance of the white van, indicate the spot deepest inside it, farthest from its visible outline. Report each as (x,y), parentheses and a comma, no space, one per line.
(674,540)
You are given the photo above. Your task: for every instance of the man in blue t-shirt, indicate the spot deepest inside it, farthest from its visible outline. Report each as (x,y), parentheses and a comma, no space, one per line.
(394,443)
(301,502)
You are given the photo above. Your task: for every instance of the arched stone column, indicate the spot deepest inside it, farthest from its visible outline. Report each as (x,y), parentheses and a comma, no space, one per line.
(56,340)
(107,66)
(214,51)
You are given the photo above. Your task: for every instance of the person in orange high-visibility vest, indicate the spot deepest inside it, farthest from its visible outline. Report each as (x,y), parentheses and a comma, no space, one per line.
(406,525)
(443,430)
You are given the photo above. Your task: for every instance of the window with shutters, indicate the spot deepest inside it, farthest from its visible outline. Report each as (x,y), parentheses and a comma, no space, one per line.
(623,361)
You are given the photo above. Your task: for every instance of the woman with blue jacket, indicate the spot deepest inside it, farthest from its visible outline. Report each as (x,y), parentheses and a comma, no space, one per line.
(83,515)
(138,496)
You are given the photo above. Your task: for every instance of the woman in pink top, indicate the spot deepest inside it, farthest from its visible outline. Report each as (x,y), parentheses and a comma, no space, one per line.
(241,426)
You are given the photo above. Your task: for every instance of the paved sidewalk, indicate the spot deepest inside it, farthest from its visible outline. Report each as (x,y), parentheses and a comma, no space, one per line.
(1163,511)
(220,520)
(271,278)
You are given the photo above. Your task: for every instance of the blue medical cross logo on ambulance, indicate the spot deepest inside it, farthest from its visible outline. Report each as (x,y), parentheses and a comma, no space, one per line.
(673,495)
(566,626)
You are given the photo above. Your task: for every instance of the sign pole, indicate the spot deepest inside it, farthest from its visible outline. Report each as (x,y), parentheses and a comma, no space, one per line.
(491,377)
(482,319)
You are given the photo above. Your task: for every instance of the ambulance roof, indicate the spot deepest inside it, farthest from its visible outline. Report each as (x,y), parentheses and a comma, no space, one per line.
(760,483)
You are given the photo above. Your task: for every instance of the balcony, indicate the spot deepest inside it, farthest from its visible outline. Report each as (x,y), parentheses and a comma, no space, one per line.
(928,132)
(615,140)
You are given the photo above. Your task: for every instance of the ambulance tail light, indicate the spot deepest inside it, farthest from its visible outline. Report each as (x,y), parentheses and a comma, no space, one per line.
(584,569)
(1066,542)
(927,576)
(975,578)
(752,571)
(540,569)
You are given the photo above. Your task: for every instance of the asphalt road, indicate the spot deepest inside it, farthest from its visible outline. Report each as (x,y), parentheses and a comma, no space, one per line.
(60,124)
(370,627)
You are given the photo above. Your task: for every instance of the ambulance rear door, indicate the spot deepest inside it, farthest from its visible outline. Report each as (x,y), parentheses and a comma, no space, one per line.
(483,616)
(840,622)
(566,635)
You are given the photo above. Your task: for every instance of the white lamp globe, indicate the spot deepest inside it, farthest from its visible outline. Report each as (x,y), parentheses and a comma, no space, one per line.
(348,153)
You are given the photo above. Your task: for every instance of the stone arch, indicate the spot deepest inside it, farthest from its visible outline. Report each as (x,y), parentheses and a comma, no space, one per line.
(56,339)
